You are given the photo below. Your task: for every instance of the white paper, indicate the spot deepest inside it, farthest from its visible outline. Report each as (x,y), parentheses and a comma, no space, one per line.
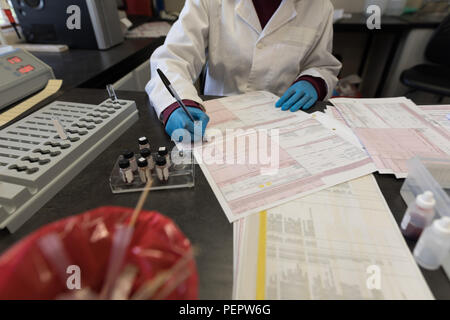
(323,245)
(393,130)
(150,30)
(312,157)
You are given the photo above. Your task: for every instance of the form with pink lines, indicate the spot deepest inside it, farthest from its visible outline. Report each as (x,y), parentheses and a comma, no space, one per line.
(439,115)
(310,157)
(394,130)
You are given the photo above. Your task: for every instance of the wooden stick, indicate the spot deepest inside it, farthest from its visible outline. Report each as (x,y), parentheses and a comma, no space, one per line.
(148,289)
(140,203)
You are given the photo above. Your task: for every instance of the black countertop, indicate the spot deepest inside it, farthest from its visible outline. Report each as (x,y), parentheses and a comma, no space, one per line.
(97,68)
(196,210)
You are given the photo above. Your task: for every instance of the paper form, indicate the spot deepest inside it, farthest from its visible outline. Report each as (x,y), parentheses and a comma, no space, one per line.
(322,246)
(438,115)
(312,157)
(393,130)
(150,30)
(52,87)
(246,111)
(251,110)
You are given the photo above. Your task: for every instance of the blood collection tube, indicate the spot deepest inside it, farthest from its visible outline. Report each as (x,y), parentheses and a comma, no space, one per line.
(129,155)
(143,143)
(144,171)
(126,172)
(147,154)
(162,170)
(163,152)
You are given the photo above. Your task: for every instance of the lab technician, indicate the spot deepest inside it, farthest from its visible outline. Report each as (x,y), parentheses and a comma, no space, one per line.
(281,46)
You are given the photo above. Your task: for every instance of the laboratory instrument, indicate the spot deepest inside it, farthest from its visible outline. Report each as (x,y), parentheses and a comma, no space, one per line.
(21,74)
(54,22)
(35,163)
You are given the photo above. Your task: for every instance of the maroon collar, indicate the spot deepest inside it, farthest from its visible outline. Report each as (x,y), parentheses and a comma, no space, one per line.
(265,10)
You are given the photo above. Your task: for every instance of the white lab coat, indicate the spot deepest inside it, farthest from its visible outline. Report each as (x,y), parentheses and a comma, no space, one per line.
(240,56)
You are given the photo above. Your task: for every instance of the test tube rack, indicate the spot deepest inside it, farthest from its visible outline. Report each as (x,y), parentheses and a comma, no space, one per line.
(35,163)
(181,175)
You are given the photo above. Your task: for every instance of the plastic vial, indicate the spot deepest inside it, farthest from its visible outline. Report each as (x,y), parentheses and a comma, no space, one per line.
(125,171)
(129,155)
(434,245)
(144,171)
(162,170)
(147,154)
(143,143)
(418,216)
(163,152)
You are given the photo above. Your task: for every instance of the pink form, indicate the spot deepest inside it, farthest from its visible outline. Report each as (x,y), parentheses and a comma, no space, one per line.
(218,113)
(247,114)
(438,115)
(391,148)
(251,192)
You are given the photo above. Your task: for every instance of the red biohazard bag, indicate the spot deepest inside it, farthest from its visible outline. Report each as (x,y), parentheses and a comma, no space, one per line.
(157,264)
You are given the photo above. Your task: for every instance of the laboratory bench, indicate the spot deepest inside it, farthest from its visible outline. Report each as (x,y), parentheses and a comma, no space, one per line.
(97,68)
(195,210)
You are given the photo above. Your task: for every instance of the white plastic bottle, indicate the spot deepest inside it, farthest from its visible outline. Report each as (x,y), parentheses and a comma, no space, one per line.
(418,216)
(434,245)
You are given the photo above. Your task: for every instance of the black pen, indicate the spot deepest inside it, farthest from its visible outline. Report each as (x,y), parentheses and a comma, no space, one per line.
(174,93)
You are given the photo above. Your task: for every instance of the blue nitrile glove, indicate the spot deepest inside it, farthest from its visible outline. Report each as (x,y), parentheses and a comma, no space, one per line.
(301,95)
(180,120)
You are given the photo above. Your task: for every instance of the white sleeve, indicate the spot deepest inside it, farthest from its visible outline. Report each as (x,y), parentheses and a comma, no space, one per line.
(320,62)
(181,57)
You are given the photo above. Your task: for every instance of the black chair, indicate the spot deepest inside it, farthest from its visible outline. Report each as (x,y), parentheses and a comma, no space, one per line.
(433,78)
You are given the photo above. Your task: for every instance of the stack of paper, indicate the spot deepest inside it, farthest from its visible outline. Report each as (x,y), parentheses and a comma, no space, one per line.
(395,130)
(310,222)
(339,243)
(438,115)
(295,154)
(149,30)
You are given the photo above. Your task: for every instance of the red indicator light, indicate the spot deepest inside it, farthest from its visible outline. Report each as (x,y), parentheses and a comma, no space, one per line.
(14,60)
(26,69)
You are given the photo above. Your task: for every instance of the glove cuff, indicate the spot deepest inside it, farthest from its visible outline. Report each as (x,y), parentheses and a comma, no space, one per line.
(165,115)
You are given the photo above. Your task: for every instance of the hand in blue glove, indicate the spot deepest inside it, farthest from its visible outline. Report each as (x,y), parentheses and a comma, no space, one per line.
(301,95)
(180,120)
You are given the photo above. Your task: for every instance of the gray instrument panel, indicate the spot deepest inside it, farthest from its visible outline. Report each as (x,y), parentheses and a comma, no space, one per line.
(35,163)
(21,74)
